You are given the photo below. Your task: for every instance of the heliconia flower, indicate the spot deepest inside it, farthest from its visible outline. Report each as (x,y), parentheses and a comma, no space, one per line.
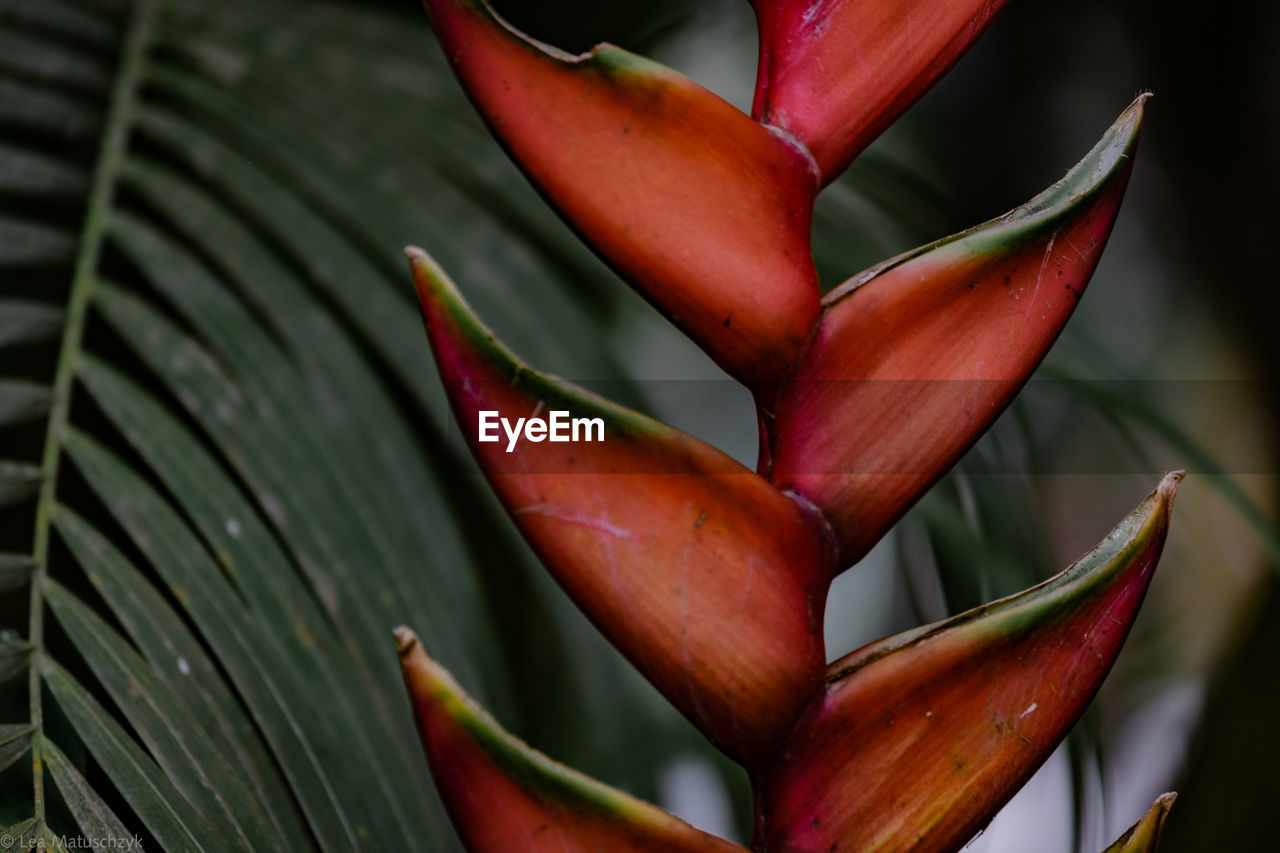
(708,578)
(919,739)
(704,211)
(914,359)
(835,73)
(504,797)
(1143,836)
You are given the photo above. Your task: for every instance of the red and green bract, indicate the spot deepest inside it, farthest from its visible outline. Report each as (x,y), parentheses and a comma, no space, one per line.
(711,578)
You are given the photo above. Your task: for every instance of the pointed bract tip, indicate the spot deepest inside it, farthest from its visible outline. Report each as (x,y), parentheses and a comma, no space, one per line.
(1144,836)
(420,261)
(1135,111)
(405,640)
(503,795)
(919,708)
(1168,488)
(428,276)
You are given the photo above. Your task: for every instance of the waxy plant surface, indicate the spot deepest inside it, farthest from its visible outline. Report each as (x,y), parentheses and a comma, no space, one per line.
(712,578)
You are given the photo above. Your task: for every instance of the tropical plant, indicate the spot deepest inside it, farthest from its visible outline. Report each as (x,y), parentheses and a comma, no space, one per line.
(227,468)
(219,502)
(713,579)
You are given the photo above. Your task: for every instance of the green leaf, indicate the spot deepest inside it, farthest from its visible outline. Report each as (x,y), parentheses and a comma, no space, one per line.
(304,498)
(382,469)
(14,742)
(61,117)
(95,817)
(166,725)
(22,401)
(278,695)
(169,817)
(49,61)
(67,20)
(20,834)
(23,322)
(18,481)
(180,661)
(15,571)
(13,659)
(278,549)
(25,172)
(28,244)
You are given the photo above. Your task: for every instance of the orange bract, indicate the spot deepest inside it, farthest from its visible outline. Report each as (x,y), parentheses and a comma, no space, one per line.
(704,575)
(835,73)
(705,212)
(504,796)
(915,359)
(919,739)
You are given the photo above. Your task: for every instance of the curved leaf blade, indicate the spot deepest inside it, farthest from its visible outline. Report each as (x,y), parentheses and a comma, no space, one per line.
(297,491)
(165,725)
(836,74)
(914,359)
(68,20)
(14,656)
(290,708)
(27,244)
(25,106)
(15,571)
(705,212)
(179,660)
(22,401)
(376,454)
(169,817)
(504,796)
(698,570)
(24,322)
(95,817)
(15,740)
(51,61)
(919,739)
(26,172)
(18,481)
(23,833)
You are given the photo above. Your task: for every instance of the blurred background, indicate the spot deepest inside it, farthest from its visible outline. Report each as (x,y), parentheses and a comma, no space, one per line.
(361,140)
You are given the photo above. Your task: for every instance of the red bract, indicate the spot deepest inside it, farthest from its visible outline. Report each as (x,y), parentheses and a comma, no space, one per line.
(917,740)
(835,73)
(705,212)
(504,797)
(711,578)
(913,360)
